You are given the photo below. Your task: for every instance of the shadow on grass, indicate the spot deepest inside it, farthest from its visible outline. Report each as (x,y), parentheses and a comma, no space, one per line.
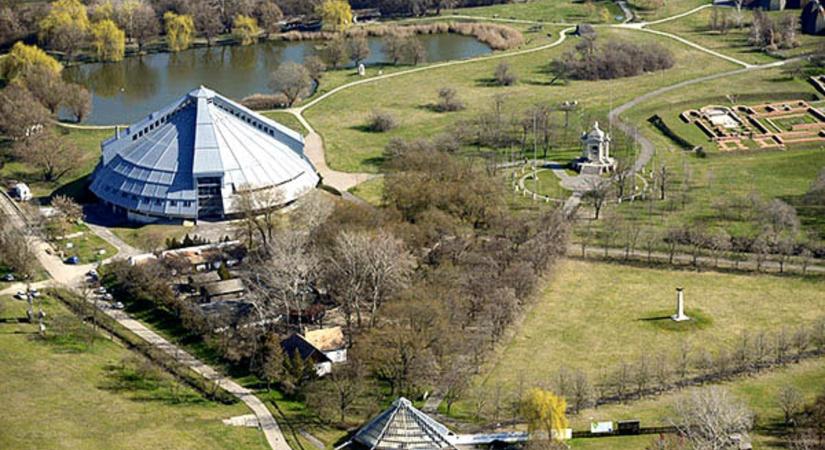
(76,189)
(661,320)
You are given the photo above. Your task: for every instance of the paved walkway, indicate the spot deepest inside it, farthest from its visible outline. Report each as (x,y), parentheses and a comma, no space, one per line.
(267,423)
(124,250)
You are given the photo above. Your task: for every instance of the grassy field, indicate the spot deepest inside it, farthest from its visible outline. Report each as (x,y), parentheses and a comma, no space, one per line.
(695,27)
(350,148)
(784,174)
(546,11)
(68,395)
(591,316)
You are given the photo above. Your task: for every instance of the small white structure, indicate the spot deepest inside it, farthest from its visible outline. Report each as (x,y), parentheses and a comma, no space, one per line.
(595,157)
(21,192)
(362,71)
(680,306)
(601,427)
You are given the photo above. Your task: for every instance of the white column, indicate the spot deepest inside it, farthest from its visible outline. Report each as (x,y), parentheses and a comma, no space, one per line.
(680,306)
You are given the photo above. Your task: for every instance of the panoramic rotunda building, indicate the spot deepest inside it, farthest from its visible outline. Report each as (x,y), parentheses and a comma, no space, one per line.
(192,159)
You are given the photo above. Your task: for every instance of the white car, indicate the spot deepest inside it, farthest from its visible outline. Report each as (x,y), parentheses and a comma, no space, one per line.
(118,305)
(8,277)
(20,295)
(101,290)
(34,292)
(108,297)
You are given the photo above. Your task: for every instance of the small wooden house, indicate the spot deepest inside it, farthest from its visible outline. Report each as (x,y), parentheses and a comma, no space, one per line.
(324,347)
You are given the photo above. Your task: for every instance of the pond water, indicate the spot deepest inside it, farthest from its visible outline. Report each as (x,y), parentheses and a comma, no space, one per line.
(126,91)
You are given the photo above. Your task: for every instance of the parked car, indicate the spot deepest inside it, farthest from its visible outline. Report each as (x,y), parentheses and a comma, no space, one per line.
(108,297)
(100,291)
(34,292)
(73,260)
(93,275)
(20,295)
(8,277)
(118,305)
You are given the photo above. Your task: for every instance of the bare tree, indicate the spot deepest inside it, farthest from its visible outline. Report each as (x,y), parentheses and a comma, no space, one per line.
(258,210)
(661,176)
(21,115)
(48,152)
(596,192)
(580,391)
(292,80)
(359,49)
(367,267)
(78,100)
(710,418)
(790,401)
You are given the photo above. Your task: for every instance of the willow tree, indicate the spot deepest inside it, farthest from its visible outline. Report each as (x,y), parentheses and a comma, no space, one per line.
(179,31)
(544,413)
(108,40)
(245,29)
(65,26)
(23,57)
(335,14)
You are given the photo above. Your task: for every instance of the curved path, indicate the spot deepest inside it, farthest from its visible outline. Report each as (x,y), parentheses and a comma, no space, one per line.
(344,180)
(314,150)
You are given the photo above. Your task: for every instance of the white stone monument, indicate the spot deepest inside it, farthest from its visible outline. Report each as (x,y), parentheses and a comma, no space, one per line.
(680,306)
(595,157)
(362,70)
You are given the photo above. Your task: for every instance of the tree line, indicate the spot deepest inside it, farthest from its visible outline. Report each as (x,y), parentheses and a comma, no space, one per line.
(105,26)
(652,374)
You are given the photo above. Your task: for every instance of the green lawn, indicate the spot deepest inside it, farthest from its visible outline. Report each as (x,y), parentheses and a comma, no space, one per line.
(152,237)
(67,395)
(546,11)
(370,191)
(591,317)
(548,184)
(695,27)
(350,148)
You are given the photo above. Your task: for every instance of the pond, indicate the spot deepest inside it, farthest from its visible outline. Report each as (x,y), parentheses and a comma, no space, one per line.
(126,91)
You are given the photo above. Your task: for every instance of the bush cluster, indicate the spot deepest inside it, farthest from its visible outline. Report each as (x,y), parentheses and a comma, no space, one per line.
(615,59)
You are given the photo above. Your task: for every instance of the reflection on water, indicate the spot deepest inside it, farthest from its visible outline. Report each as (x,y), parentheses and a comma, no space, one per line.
(126,91)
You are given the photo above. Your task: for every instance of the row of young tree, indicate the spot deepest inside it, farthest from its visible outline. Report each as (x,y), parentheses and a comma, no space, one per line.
(653,374)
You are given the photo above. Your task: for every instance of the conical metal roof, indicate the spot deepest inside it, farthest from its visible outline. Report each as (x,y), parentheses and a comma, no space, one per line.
(402,426)
(205,140)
